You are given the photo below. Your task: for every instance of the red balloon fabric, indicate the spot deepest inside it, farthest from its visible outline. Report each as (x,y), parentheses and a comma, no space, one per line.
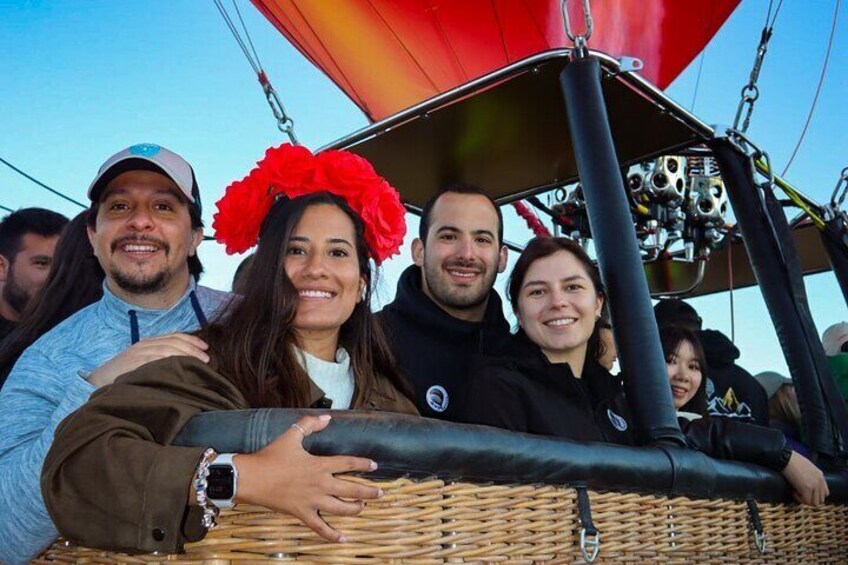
(388,55)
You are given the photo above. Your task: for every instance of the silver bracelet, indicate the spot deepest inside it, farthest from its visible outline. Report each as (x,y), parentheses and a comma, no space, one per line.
(210,511)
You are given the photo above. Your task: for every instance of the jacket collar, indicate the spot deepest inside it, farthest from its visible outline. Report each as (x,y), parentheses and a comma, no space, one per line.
(115,312)
(411,302)
(528,358)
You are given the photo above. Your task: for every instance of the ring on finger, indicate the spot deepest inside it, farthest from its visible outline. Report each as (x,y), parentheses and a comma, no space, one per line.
(299,428)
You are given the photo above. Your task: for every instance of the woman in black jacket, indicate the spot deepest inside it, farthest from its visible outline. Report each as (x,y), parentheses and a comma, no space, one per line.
(551,383)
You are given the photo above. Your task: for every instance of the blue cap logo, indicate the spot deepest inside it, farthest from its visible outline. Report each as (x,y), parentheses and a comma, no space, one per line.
(144,149)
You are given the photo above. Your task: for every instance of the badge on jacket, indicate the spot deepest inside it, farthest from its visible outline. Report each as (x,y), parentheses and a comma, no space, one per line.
(437,398)
(617,421)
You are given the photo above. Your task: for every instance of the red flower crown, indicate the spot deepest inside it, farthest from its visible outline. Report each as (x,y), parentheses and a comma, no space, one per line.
(295,171)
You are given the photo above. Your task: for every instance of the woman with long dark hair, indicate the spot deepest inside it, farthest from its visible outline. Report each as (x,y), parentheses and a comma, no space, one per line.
(552,383)
(687,365)
(75,280)
(301,335)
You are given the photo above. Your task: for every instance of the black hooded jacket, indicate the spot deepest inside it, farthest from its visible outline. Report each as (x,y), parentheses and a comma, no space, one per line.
(435,350)
(527,393)
(731,390)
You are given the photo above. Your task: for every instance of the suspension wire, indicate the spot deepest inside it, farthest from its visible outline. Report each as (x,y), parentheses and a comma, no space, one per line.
(247,35)
(818,90)
(768,14)
(6,209)
(701,62)
(697,80)
(41,184)
(284,122)
(254,64)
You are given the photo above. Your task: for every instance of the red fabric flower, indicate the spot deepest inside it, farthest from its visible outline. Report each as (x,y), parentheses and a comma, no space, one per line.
(295,171)
(288,169)
(385,217)
(345,174)
(240,213)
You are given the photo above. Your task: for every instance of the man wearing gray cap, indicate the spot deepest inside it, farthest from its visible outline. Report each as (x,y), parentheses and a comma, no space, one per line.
(144,225)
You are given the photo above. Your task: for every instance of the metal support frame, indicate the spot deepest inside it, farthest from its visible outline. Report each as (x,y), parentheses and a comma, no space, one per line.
(835,242)
(765,233)
(634,326)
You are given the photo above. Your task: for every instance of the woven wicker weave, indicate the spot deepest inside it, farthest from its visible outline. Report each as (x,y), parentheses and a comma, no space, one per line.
(429,522)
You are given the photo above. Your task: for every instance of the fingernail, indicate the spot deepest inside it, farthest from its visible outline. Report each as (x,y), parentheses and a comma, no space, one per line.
(380,493)
(324,417)
(342,539)
(373,465)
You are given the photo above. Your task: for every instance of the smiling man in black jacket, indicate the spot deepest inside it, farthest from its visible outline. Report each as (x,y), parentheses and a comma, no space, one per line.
(445,312)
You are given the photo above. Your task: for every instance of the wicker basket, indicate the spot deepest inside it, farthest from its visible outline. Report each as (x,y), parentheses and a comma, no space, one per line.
(429,522)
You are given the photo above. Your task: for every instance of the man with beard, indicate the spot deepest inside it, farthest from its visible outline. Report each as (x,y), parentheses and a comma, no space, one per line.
(27,240)
(144,225)
(445,312)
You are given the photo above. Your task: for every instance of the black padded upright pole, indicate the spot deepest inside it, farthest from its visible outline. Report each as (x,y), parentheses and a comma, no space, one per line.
(774,261)
(835,242)
(635,328)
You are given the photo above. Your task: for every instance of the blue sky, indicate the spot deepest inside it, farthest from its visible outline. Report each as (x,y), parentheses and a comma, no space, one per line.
(80,80)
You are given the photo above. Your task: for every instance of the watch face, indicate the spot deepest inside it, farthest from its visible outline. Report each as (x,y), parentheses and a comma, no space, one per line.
(220,482)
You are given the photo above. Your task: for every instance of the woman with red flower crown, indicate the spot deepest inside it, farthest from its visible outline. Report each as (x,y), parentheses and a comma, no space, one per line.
(302,335)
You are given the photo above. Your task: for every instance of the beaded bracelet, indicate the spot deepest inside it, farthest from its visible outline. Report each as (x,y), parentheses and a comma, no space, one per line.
(210,511)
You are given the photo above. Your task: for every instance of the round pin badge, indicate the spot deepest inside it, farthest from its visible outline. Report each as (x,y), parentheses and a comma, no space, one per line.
(617,421)
(437,398)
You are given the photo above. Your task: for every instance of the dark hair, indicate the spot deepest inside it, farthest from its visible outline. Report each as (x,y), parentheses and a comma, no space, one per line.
(675,312)
(671,337)
(195,267)
(75,280)
(242,273)
(541,247)
(16,225)
(458,188)
(596,347)
(253,342)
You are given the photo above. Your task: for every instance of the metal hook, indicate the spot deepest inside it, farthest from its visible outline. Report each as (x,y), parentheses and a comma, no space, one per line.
(760,542)
(843,179)
(284,123)
(589,548)
(579,40)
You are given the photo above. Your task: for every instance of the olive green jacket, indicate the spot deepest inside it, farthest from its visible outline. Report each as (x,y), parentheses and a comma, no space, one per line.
(113,480)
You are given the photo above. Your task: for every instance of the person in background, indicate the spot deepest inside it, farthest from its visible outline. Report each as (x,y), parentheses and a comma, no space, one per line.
(446,312)
(27,241)
(835,343)
(75,281)
(144,225)
(742,441)
(732,392)
(784,411)
(302,335)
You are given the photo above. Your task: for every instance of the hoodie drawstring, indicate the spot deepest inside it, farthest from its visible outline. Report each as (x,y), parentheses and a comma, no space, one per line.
(195,305)
(134,335)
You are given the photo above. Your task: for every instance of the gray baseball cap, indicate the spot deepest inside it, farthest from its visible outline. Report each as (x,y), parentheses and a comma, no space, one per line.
(148,157)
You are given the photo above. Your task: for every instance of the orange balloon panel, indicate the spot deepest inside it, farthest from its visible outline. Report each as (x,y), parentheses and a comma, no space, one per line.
(388,55)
